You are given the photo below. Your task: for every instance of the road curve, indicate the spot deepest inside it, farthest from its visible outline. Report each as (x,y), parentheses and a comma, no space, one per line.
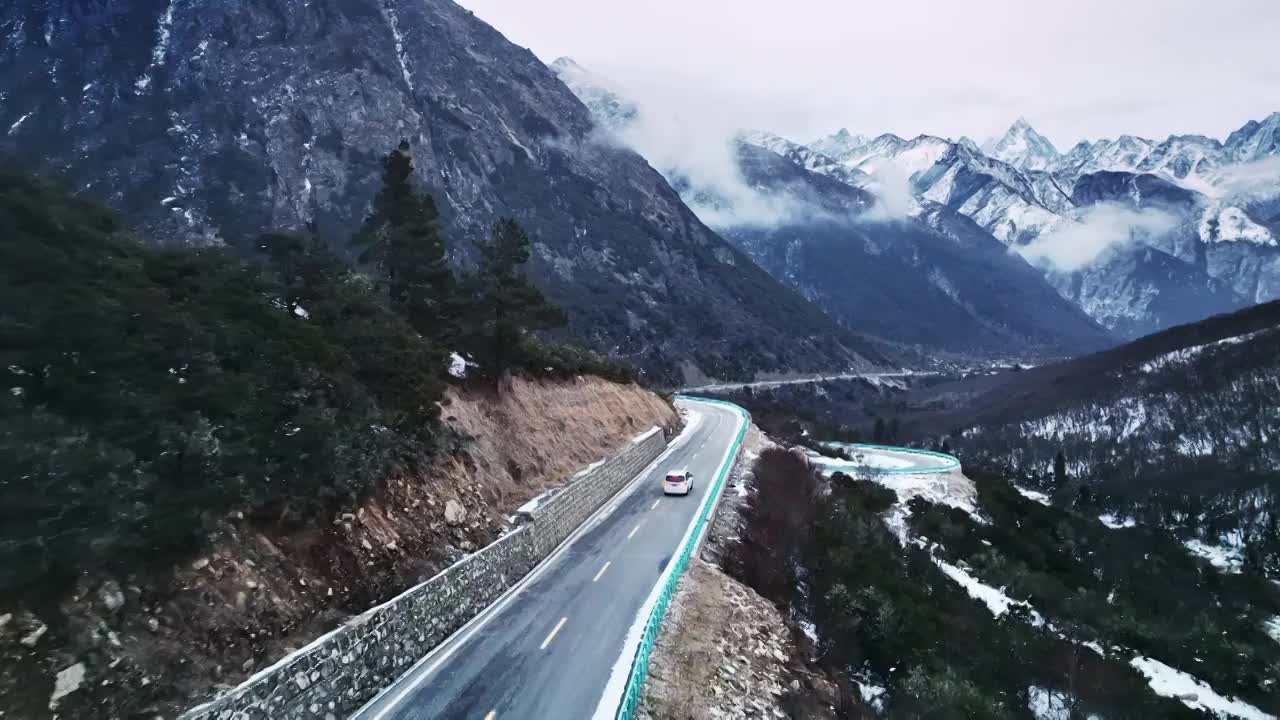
(549,647)
(887,459)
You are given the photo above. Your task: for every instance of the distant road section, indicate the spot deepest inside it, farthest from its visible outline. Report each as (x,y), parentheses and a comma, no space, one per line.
(886,459)
(805,380)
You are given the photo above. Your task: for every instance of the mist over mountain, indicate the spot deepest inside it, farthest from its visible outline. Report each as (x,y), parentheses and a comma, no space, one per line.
(1137,234)
(847,231)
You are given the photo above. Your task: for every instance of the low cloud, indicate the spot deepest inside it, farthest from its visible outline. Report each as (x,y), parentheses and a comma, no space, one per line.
(1074,245)
(691,137)
(1260,178)
(892,189)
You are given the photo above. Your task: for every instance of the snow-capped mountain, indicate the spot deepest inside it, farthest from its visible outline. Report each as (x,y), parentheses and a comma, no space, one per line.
(912,272)
(1023,147)
(839,144)
(607,107)
(1217,248)
(807,157)
(1255,140)
(1140,234)
(1197,162)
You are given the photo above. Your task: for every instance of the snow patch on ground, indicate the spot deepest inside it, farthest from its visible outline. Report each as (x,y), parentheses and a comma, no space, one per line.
(1193,693)
(809,629)
(458,365)
(1185,354)
(67,681)
(588,469)
(939,489)
(871,693)
(995,600)
(644,435)
(862,460)
(1272,627)
(1232,224)
(1047,704)
(1225,558)
(14,127)
(1116,522)
(1033,495)
(162,35)
(393,21)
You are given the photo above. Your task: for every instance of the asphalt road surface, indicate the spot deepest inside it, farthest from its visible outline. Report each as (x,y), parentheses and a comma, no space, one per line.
(548,649)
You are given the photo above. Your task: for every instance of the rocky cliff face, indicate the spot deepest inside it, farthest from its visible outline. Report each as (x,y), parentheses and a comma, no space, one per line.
(212,121)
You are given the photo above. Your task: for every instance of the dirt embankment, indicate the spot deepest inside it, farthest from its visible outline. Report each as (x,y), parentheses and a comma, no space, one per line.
(152,646)
(725,651)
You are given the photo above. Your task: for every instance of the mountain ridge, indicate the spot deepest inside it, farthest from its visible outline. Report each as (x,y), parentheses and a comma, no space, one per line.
(212,122)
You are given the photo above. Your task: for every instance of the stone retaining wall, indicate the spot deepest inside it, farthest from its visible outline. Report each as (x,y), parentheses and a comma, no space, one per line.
(339,672)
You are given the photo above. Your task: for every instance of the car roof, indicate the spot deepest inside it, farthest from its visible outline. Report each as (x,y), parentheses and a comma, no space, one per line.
(679,471)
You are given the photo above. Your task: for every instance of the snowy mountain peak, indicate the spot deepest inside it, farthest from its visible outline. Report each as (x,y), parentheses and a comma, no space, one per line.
(609,109)
(1255,139)
(567,63)
(839,145)
(1023,147)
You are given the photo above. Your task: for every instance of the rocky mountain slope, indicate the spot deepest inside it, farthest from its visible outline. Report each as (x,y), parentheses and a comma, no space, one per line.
(213,121)
(1171,406)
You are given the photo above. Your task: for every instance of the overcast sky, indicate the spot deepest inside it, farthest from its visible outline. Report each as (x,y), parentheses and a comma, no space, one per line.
(804,68)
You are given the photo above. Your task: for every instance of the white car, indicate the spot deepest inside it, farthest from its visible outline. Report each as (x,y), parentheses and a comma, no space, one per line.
(677,482)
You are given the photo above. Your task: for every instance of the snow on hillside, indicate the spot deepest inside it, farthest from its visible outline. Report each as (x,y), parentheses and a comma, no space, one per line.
(995,599)
(915,157)
(1193,693)
(1181,356)
(1232,224)
(1117,523)
(1227,558)
(1032,495)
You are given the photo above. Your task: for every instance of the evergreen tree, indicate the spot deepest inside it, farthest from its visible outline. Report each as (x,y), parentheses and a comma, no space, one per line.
(1059,469)
(403,238)
(505,306)
(893,430)
(877,435)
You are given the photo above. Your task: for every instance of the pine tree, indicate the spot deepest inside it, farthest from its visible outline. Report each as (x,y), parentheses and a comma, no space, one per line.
(877,435)
(403,239)
(893,430)
(505,306)
(1059,469)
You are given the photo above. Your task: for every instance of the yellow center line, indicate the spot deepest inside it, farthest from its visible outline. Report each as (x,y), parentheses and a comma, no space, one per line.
(491,715)
(597,577)
(554,630)
(634,530)
(655,503)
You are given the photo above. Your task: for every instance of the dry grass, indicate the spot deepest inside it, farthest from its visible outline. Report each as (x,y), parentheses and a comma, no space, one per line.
(723,652)
(533,434)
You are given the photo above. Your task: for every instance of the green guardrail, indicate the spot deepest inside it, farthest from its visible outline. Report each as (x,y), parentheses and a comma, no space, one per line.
(950,463)
(640,664)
